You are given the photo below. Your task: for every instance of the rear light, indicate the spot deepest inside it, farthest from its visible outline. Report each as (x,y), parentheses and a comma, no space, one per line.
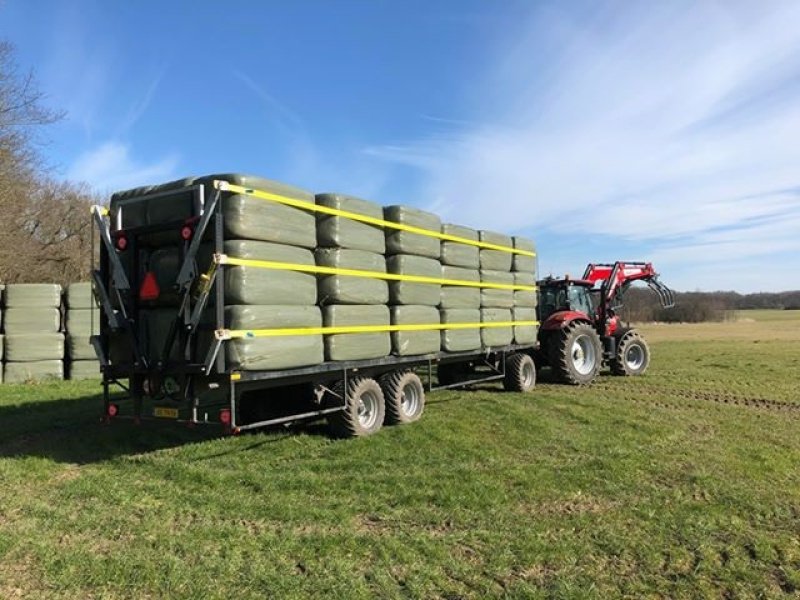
(225,416)
(187,231)
(149,289)
(120,240)
(113,410)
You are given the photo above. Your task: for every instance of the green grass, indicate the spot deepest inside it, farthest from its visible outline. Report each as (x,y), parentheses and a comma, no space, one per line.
(681,484)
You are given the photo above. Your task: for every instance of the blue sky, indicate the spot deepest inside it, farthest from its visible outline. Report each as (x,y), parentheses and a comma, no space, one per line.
(611,130)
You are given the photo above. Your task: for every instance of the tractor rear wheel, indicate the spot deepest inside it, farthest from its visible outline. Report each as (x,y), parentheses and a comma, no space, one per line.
(633,355)
(578,354)
(364,408)
(520,373)
(405,397)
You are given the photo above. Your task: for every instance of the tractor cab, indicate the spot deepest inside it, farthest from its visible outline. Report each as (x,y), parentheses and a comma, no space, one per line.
(558,295)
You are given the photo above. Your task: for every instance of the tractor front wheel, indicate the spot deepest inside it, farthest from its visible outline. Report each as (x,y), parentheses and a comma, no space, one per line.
(633,355)
(578,354)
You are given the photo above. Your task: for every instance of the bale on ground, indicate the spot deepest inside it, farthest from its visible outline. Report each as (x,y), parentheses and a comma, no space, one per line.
(23,347)
(84,369)
(42,370)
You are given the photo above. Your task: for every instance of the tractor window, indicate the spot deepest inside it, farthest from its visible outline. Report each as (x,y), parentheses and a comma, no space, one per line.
(579,299)
(551,299)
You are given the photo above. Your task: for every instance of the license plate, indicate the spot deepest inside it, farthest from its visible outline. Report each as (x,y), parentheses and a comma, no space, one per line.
(167,413)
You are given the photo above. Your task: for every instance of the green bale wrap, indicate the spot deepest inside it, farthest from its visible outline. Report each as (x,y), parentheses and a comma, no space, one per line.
(497,298)
(405,292)
(79,347)
(347,289)
(522,263)
(84,369)
(279,352)
(525,298)
(80,295)
(341,232)
(495,260)
(25,372)
(496,336)
(454,296)
(83,321)
(410,343)
(460,340)
(2,345)
(356,346)
(524,334)
(33,295)
(458,254)
(32,320)
(404,242)
(23,347)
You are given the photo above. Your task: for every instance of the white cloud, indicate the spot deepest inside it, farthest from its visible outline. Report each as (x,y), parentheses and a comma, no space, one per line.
(663,125)
(110,167)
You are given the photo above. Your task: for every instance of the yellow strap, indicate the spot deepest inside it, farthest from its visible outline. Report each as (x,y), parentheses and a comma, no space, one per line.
(238,189)
(284,266)
(228,334)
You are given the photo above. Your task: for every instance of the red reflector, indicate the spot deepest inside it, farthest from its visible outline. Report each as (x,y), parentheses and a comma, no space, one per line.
(149,289)
(113,409)
(186,232)
(225,416)
(122,242)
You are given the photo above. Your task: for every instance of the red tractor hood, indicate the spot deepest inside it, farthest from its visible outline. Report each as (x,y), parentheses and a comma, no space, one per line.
(562,318)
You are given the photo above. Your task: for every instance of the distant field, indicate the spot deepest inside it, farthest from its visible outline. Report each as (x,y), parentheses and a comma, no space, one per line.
(681,484)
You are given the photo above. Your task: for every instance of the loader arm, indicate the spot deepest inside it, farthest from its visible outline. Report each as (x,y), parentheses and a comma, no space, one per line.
(616,277)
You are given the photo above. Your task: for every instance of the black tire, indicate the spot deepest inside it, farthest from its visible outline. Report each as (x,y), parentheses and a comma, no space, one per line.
(632,356)
(364,411)
(520,373)
(450,373)
(404,395)
(578,354)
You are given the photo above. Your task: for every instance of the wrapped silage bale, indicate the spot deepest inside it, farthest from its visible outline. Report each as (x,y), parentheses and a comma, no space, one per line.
(408,292)
(496,336)
(459,254)
(32,320)
(84,369)
(524,334)
(459,296)
(349,289)
(405,242)
(495,260)
(33,295)
(1,357)
(24,347)
(24,372)
(497,297)
(525,298)
(410,343)
(460,340)
(82,321)
(522,263)
(356,346)
(340,232)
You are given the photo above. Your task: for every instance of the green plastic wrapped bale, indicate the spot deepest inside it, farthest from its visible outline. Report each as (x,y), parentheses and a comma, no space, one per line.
(253,218)
(84,369)
(341,232)
(272,353)
(460,340)
(405,292)
(457,254)
(356,346)
(403,242)
(80,295)
(496,336)
(2,345)
(522,263)
(82,321)
(495,260)
(455,296)
(32,320)
(41,370)
(525,298)
(410,343)
(254,285)
(33,295)
(23,347)
(524,334)
(497,298)
(79,347)
(133,210)
(346,289)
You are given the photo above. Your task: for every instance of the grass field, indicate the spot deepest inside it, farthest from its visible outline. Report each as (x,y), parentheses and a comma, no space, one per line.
(683,483)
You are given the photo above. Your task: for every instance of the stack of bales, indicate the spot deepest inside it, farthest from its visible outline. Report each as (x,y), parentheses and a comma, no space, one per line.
(524,270)
(82,322)
(460,304)
(34,344)
(496,304)
(413,303)
(256,298)
(348,300)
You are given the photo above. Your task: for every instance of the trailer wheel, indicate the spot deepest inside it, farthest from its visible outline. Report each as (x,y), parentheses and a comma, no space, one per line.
(578,354)
(633,355)
(520,375)
(404,395)
(364,409)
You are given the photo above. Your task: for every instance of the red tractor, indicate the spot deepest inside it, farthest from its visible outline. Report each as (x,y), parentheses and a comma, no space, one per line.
(580,330)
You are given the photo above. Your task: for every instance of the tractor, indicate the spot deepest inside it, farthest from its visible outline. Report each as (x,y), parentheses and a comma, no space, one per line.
(580,331)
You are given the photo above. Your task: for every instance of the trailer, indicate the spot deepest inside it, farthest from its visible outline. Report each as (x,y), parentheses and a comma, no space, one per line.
(188,378)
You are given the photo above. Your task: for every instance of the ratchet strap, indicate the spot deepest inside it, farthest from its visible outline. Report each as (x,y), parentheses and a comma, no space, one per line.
(305,205)
(229,334)
(224,259)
